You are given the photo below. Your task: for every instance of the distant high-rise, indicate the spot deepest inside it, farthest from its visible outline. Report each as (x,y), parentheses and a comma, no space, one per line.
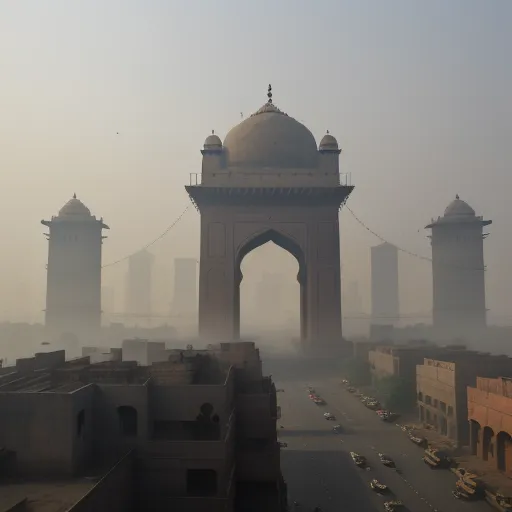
(458,270)
(385,294)
(185,286)
(138,284)
(73,291)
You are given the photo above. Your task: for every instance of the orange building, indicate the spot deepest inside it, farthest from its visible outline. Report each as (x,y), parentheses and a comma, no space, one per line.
(490,421)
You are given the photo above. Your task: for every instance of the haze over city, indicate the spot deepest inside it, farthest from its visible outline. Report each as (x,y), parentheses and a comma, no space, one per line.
(113,100)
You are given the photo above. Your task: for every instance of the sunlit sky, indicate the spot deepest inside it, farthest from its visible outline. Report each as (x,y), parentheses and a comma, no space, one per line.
(417,93)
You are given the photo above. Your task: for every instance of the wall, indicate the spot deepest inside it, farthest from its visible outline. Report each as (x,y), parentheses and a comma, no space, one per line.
(40,429)
(41,360)
(107,424)
(113,493)
(83,442)
(381,364)
(489,409)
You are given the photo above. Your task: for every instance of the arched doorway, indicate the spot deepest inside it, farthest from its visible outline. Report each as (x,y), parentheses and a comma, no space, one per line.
(474,436)
(504,451)
(487,443)
(270,280)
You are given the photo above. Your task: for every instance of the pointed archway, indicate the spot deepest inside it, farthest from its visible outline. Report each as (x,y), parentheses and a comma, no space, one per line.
(289,245)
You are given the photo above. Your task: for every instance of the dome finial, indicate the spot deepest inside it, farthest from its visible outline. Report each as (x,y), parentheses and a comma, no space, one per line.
(328,132)
(457,196)
(74,195)
(269,93)
(213,132)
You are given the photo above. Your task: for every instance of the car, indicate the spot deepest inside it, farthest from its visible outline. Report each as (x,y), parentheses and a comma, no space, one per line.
(329,416)
(378,487)
(386,460)
(280,390)
(359,460)
(420,441)
(350,389)
(345,381)
(337,428)
(319,401)
(282,445)
(393,506)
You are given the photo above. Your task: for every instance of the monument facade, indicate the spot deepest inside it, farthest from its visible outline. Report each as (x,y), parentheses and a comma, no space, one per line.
(269,182)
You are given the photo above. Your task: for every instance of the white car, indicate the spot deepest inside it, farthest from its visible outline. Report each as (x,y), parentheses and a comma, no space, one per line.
(329,416)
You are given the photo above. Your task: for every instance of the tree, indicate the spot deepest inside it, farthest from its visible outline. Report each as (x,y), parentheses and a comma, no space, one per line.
(356,371)
(397,393)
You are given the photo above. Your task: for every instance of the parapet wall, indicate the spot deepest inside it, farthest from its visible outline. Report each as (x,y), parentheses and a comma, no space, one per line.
(113,493)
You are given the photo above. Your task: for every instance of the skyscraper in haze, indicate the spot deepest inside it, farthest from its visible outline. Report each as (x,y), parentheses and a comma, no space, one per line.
(138,284)
(185,287)
(385,294)
(73,290)
(458,270)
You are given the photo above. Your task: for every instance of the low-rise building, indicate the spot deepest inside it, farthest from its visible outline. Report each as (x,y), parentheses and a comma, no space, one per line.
(195,432)
(441,386)
(490,421)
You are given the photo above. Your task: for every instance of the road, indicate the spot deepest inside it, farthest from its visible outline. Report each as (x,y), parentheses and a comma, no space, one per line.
(317,466)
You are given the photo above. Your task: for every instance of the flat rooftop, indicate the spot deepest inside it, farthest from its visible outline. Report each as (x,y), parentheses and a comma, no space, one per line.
(45,495)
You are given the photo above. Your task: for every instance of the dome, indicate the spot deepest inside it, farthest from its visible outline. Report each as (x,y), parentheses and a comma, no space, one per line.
(74,208)
(212,142)
(271,139)
(329,143)
(459,207)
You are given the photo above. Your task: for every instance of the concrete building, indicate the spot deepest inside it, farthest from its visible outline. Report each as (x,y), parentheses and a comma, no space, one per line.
(73,290)
(385,294)
(196,432)
(139,284)
(442,389)
(185,287)
(269,181)
(458,271)
(490,421)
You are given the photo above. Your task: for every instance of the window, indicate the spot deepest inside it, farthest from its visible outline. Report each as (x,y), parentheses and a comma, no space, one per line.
(201,482)
(442,406)
(450,410)
(434,402)
(80,423)
(428,399)
(127,420)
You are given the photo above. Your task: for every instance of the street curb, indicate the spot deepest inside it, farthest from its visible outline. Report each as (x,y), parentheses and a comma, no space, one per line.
(489,496)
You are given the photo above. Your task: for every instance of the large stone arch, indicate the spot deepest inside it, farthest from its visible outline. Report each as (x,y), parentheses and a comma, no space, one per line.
(504,451)
(287,243)
(487,443)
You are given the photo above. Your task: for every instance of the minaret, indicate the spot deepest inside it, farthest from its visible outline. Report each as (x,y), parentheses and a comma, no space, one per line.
(458,270)
(73,290)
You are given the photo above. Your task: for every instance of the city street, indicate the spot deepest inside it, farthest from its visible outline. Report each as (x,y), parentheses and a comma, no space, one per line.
(317,465)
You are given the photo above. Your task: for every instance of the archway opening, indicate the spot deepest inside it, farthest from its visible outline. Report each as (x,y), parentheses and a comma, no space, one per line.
(474,436)
(504,451)
(270,291)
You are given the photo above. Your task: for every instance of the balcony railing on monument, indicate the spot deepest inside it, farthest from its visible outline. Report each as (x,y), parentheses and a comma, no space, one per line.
(255,177)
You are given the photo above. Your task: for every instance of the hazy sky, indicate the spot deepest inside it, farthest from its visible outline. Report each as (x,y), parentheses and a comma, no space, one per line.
(417,93)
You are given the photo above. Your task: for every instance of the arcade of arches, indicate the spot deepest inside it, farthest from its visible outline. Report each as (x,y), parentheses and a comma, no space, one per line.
(490,422)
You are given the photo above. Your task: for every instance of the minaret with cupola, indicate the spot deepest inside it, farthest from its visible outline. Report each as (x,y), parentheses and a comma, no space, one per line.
(458,271)
(73,291)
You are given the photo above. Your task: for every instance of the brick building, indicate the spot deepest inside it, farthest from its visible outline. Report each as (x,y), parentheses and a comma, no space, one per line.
(441,386)
(195,432)
(490,421)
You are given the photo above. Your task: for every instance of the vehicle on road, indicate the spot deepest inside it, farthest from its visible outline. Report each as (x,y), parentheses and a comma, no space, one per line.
(470,487)
(279,390)
(420,441)
(394,506)
(378,487)
(311,396)
(345,381)
(329,416)
(503,501)
(337,429)
(436,459)
(359,460)
(387,460)
(282,445)
(319,401)
(350,389)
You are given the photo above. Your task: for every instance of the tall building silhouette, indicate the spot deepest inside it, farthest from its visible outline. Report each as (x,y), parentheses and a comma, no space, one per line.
(139,284)
(458,270)
(185,286)
(73,290)
(385,293)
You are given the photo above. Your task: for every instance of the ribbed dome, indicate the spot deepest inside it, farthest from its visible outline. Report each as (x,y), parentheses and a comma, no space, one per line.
(458,208)
(271,139)
(74,208)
